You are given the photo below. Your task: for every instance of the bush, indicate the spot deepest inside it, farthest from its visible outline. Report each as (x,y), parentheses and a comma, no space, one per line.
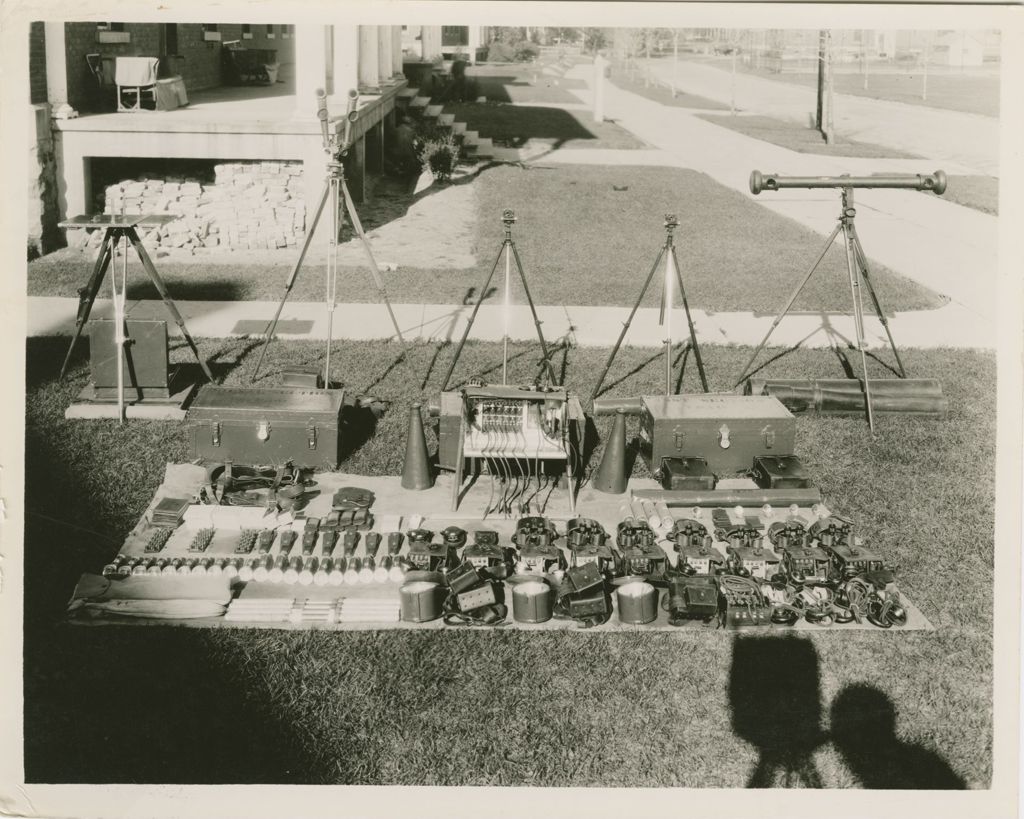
(498,52)
(439,155)
(526,51)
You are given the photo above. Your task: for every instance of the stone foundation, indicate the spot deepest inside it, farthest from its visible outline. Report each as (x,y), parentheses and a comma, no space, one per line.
(249,206)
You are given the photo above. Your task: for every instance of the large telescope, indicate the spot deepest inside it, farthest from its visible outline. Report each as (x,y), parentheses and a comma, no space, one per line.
(934,182)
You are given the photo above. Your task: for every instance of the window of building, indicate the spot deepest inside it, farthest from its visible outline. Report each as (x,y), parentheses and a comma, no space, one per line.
(211,33)
(246,31)
(287,32)
(271,31)
(112,33)
(454,35)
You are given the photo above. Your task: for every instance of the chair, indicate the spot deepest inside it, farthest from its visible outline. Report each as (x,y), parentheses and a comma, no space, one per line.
(135,78)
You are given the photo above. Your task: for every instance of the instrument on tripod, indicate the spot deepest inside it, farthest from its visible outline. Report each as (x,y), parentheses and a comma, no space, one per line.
(856,260)
(672,276)
(115,227)
(335,191)
(508,252)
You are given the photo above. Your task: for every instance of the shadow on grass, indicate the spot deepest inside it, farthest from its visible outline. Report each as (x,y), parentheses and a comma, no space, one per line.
(776,705)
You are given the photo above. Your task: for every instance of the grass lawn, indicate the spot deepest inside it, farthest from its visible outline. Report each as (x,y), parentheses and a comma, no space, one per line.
(658,92)
(978,192)
(581,241)
(507,708)
(972,93)
(796,137)
(515,125)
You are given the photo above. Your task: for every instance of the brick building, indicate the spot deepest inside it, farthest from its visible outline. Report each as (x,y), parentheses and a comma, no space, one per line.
(222,123)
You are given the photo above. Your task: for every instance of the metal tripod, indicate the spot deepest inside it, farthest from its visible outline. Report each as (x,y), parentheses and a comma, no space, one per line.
(508,250)
(116,227)
(335,191)
(857,269)
(668,253)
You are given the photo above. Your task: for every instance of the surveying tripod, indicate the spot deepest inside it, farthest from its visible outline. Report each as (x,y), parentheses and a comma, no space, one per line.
(509,252)
(335,191)
(668,253)
(857,270)
(118,227)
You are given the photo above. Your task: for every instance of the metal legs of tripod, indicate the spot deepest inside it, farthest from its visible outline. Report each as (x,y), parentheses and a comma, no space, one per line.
(668,253)
(857,270)
(335,191)
(87,295)
(508,250)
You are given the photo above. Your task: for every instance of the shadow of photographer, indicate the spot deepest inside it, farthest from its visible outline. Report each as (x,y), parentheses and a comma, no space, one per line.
(776,705)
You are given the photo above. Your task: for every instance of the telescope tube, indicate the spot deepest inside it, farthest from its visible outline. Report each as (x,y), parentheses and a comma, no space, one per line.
(935,182)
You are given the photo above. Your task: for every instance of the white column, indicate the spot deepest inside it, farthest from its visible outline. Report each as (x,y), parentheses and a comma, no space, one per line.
(310,67)
(346,60)
(56,64)
(384,53)
(369,69)
(431,42)
(474,43)
(396,50)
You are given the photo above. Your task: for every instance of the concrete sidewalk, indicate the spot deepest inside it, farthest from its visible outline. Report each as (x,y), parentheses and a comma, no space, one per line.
(583,326)
(969,141)
(944,246)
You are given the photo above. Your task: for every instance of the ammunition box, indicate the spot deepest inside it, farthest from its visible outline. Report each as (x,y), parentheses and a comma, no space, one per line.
(686,473)
(267,426)
(726,430)
(780,472)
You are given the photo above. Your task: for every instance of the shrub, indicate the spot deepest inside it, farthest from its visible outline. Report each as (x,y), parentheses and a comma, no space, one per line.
(498,52)
(439,155)
(526,51)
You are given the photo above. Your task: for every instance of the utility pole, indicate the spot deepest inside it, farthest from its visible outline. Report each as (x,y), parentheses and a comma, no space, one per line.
(675,61)
(823,119)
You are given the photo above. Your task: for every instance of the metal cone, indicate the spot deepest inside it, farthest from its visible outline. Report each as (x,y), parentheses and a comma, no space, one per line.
(611,474)
(416,472)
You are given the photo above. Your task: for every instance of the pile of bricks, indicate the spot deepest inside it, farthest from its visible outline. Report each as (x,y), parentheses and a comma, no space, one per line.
(249,206)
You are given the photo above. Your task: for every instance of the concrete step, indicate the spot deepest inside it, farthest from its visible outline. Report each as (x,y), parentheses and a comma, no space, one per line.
(407,93)
(448,120)
(484,145)
(433,111)
(420,102)
(458,128)
(470,137)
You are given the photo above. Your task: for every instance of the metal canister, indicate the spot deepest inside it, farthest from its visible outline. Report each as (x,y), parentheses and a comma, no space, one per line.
(637,603)
(532,602)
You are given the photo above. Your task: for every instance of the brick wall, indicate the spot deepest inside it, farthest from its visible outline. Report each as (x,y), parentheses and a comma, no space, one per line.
(80,39)
(37,63)
(200,68)
(285,46)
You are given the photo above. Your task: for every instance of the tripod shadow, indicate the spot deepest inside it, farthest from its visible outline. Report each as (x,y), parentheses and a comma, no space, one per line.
(864,733)
(471,297)
(776,707)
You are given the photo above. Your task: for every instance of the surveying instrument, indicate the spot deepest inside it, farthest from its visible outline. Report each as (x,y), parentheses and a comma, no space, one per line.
(856,260)
(336,147)
(118,227)
(672,276)
(509,253)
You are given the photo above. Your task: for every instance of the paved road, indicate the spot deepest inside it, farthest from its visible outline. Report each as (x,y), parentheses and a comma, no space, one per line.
(970,140)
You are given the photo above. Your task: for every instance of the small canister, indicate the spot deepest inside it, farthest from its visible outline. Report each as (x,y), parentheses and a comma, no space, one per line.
(531,602)
(637,603)
(421,601)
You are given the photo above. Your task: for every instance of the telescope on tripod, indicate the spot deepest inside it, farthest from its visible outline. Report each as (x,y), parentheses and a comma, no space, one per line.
(856,260)
(336,146)
(934,182)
